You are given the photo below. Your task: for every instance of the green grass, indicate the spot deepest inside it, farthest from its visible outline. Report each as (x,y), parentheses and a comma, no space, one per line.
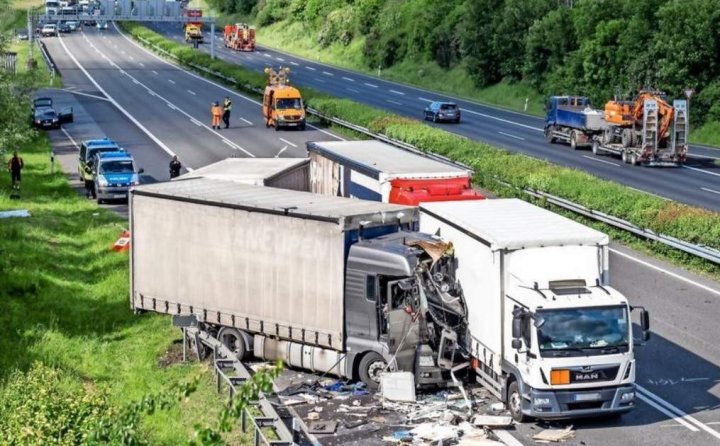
(708,134)
(293,38)
(64,302)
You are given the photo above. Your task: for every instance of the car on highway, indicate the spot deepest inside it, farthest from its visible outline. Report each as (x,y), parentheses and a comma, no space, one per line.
(101,24)
(48,118)
(442,112)
(87,152)
(64,28)
(73,25)
(49,30)
(22,34)
(114,174)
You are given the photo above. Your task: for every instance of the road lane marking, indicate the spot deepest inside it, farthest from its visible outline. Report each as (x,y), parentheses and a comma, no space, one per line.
(370,85)
(280,59)
(131,58)
(154,72)
(669,273)
(327,73)
(115,103)
(503,120)
(288,142)
(425,99)
(172,107)
(191,92)
(696,155)
(713,191)
(228,143)
(349,79)
(88,95)
(267,55)
(70,138)
(141,64)
(677,411)
(135,81)
(310,68)
(246,121)
(281,151)
(352,90)
(601,161)
(171,81)
(512,136)
(294,63)
(397,92)
(206,80)
(197,123)
(393,102)
(666,412)
(702,170)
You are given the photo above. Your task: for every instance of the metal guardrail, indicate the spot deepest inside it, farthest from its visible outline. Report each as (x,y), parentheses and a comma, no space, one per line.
(46,57)
(705,252)
(226,363)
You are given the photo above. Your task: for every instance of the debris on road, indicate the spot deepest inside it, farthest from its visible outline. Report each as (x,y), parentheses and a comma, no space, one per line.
(322,427)
(492,421)
(398,386)
(554,435)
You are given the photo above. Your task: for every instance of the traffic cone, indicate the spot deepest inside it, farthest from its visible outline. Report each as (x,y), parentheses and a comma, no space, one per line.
(123,243)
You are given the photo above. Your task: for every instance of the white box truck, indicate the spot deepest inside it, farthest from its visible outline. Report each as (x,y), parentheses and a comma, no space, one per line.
(546,332)
(374,170)
(329,284)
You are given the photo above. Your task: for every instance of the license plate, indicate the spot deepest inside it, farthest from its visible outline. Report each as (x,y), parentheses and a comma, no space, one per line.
(587,397)
(291,124)
(119,196)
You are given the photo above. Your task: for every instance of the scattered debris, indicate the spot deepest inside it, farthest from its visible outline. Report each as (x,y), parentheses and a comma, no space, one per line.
(313,416)
(398,386)
(322,427)
(497,407)
(554,435)
(354,424)
(492,421)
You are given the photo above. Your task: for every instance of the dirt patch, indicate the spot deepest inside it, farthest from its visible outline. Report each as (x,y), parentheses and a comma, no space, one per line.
(173,355)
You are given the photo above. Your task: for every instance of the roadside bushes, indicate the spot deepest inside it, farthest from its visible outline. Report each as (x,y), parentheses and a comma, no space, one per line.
(493,167)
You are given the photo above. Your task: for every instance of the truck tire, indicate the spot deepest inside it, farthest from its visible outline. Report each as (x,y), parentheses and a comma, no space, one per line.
(634,159)
(596,150)
(624,157)
(233,340)
(573,140)
(371,368)
(514,400)
(549,134)
(627,138)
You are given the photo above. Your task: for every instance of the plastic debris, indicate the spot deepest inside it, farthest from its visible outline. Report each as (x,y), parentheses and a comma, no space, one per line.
(313,416)
(492,421)
(497,407)
(398,386)
(554,435)
(21,213)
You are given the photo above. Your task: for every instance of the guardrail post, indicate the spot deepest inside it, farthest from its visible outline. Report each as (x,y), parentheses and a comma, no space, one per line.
(257,436)
(212,40)
(243,420)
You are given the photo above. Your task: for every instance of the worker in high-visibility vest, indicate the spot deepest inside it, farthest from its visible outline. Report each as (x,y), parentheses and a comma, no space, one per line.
(227,108)
(216,115)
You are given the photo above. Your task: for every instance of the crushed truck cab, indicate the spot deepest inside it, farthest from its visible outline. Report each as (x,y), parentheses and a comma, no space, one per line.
(282,105)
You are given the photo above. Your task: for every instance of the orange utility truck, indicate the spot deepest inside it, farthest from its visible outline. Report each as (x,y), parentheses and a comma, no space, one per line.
(193,29)
(240,37)
(282,104)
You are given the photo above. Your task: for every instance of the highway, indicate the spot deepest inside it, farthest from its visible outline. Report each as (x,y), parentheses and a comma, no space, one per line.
(155,109)
(697,183)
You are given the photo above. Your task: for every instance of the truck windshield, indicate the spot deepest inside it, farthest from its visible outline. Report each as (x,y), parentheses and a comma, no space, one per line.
(583,331)
(119,166)
(289,104)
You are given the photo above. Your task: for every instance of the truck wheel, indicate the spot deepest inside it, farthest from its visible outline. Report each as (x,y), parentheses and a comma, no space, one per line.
(573,140)
(515,403)
(596,150)
(624,157)
(233,340)
(634,159)
(549,134)
(627,138)
(372,366)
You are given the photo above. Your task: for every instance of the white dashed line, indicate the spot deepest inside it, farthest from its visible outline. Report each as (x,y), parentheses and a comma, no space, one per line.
(352,90)
(425,99)
(712,191)
(171,81)
(371,85)
(310,68)
(703,171)
(288,142)
(349,79)
(280,59)
(397,92)
(394,102)
(191,92)
(154,72)
(503,120)
(267,55)
(601,161)
(294,63)
(141,64)
(512,136)
(327,73)
(246,121)
(281,151)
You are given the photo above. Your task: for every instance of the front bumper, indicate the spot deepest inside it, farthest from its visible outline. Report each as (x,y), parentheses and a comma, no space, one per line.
(559,404)
(291,124)
(113,193)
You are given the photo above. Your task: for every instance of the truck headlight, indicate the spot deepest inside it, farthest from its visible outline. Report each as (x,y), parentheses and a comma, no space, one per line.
(627,397)
(55,119)
(102,182)
(281,118)
(541,401)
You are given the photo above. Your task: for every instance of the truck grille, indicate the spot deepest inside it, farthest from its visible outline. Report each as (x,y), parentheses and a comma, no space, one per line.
(586,405)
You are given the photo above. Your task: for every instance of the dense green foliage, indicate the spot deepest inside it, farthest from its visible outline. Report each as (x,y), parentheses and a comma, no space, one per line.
(493,166)
(590,47)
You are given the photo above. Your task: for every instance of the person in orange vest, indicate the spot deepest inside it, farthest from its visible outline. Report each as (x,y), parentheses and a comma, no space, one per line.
(216,115)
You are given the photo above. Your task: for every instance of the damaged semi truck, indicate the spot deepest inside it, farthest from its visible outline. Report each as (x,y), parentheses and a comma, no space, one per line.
(329,284)
(546,332)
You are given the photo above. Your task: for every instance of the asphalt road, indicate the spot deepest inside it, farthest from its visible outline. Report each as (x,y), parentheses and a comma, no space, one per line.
(697,183)
(150,106)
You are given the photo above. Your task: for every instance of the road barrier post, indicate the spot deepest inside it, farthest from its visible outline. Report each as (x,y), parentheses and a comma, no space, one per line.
(212,40)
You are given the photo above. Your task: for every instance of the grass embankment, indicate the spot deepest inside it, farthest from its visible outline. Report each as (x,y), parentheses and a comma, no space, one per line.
(64,305)
(494,166)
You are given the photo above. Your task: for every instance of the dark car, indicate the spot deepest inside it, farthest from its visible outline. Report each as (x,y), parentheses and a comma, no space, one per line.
(64,28)
(48,118)
(442,111)
(42,102)
(21,34)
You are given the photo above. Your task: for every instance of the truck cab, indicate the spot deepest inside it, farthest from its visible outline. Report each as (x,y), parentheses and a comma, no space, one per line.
(282,105)
(114,174)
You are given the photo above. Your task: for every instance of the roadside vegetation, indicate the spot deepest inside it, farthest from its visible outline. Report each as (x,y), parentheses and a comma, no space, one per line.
(494,168)
(503,51)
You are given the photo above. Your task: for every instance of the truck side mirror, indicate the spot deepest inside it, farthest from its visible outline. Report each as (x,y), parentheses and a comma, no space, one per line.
(644,322)
(516,344)
(517,327)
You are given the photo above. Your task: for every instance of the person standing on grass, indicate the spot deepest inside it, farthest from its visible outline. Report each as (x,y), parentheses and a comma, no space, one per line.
(175,167)
(15,166)
(227,107)
(216,114)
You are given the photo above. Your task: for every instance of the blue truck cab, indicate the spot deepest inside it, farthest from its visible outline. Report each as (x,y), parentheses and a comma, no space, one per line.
(114,175)
(572,119)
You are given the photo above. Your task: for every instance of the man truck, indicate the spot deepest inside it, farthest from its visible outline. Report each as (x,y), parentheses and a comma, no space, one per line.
(330,284)
(374,170)
(547,334)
